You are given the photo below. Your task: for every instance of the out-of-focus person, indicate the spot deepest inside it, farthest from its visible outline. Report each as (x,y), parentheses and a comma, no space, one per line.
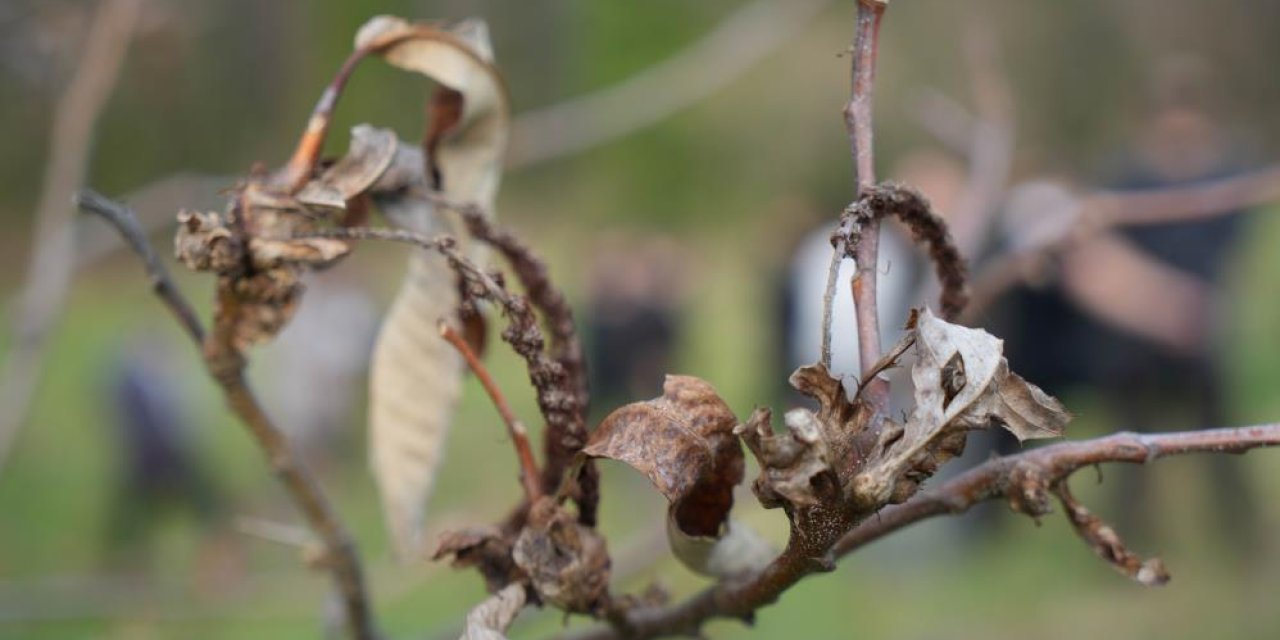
(1135,313)
(633,317)
(160,468)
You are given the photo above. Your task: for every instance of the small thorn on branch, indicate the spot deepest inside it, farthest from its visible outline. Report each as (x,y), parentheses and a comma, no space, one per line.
(519,435)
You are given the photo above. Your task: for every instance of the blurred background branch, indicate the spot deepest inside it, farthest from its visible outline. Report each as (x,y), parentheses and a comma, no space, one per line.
(52,247)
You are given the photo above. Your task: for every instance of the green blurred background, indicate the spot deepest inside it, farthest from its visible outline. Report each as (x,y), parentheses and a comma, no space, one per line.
(214,87)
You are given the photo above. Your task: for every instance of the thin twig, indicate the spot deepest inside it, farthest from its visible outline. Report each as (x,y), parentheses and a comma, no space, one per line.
(226,365)
(515,428)
(1046,465)
(857,117)
(298,170)
(126,224)
(53,242)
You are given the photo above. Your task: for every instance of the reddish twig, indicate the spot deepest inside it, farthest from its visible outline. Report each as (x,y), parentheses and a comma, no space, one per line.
(226,364)
(515,428)
(298,170)
(566,431)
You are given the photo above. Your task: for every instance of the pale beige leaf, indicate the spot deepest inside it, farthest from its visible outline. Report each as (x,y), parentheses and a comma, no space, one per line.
(471,155)
(416,377)
(490,619)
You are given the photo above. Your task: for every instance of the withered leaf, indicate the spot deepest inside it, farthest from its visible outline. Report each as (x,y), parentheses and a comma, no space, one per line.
(794,465)
(567,563)
(486,549)
(962,382)
(368,157)
(684,442)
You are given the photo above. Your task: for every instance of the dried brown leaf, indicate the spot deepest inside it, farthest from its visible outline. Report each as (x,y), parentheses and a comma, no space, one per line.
(684,443)
(486,549)
(962,382)
(369,155)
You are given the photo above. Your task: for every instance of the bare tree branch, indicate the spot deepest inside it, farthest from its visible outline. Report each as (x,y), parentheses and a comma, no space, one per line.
(126,224)
(857,118)
(226,365)
(53,243)
(1024,474)
(722,56)
(1025,478)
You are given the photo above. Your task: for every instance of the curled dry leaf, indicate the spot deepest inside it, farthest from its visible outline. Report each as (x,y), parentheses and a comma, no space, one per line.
(259,268)
(415,378)
(566,562)
(795,465)
(491,618)
(684,442)
(1107,543)
(962,382)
